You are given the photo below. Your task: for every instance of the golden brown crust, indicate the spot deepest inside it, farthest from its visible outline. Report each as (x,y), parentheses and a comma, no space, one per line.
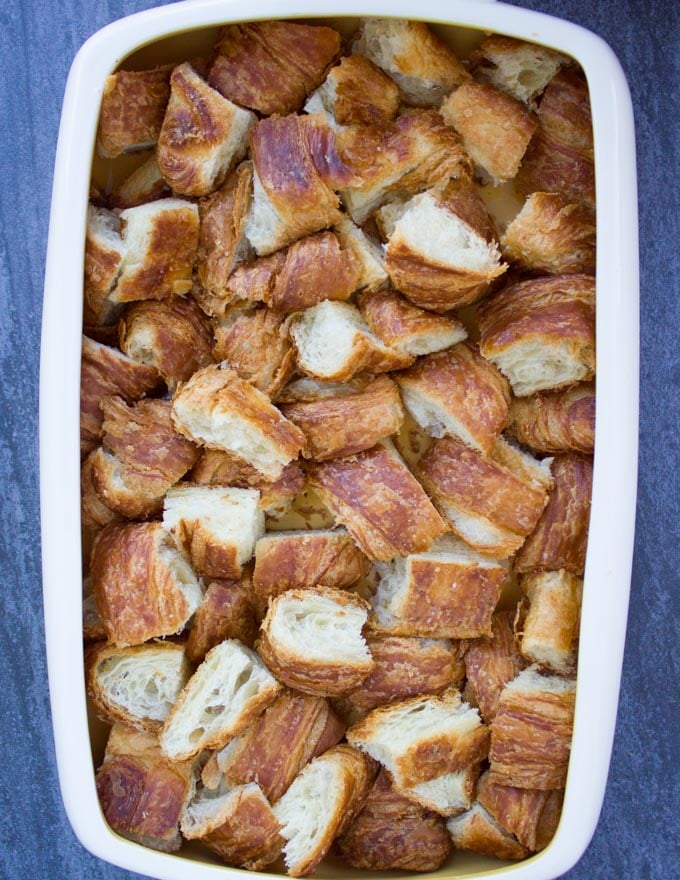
(553,235)
(556,421)
(400,324)
(272,66)
(284,739)
(133,106)
(226,613)
(490,663)
(363,93)
(560,538)
(496,129)
(379,501)
(284,561)
(144,184)
(106,371)
(564,110)
(141,793)
(393,833)
(172,335)
(550,165)
(104,253)
(532,816)
(256,345)
(477,830)
(93,511)
(547,620)
(136,593)
(351,420)
(464,386)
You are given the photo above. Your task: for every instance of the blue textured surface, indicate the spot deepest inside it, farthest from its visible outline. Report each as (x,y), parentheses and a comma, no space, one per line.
(638,830)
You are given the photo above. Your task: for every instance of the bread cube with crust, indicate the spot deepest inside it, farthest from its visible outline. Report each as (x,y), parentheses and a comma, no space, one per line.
(104,254)
(355,92)
(133,106)
(547,621)
(555,421)
(530,814)
(477,830)
(226,613)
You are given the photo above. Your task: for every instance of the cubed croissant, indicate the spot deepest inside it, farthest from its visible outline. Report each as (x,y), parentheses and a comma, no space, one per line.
(105,371)
(172,335)
(104,254)
(424,67)
(255,343)
(226,613)
(552,235)
(272,66)
(561,534)
(94,513)
(311,640)
(337,783)
(133,106)
(393,833)
(407,328)
(547,620)
(141,793)
(144,184)
(230,688)
(290,732)
(531,733)
(143,586)
(138,685)
(423,737)
(203,135)
(448,591)
(495,128)
(556,421)
(343,418)
(380,502)
(298,559)
(216,526)
(490,663)
(541,333)
(333,342)
(458,393)
(237,824)
(492,502)
(477,830)
(356,92)
(448,794)
(531,815)
(564,110)
(222,411)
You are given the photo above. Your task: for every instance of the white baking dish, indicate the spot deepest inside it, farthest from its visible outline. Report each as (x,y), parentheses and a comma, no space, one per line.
(607,575)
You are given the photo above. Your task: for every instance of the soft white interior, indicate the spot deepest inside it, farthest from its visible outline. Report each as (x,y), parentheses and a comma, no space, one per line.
(388,216)
(139,224)
(322,101)
(428,341)
(433,416)
(264,228)
(531,365)
(103,227)
(369,254)
(530,680)
(227,153)
(140,341)
(447,794)
(183,574)
(478,531)
(457,825)
(523,71)
(523,464)
(217,696)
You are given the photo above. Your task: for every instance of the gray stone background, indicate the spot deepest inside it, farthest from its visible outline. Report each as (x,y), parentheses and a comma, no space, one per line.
(637,836)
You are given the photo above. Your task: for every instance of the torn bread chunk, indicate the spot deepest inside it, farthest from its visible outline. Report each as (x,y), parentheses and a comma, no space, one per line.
(393,833)
(490,663)
(144,184)
(448,591)
(552,235)
(218,409)
(333,342)
(272,66)
(285,560)
(457,393)
(133,106)
(104,254)
(492,502)
(291,732)
(138,685)
(161,239)
(143,586)
(560,538)
(172,335)
(541,333)
(520,69)
(531,733)
(495,128)
(203,135)
(217,527)
(449,794)
(343,418)
(424,68)
(556,421)
(141,793)
(547,621)
(235,823)
(477,830)
(226,693)
(407,328)
(226,613)
(356,92)
(380,502)
(422,738)
(531,815)
(94,513)
(435,258)
(337,783)
(311,640)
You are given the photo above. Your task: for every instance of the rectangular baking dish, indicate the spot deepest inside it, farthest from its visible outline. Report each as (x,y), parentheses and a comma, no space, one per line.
(607,576)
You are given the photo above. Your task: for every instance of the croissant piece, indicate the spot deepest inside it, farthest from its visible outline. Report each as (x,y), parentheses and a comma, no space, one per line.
(564,110)
(547,620)
(144,184)
(356,92)
(550,165)
(93,511)
(556,421)
(477,830)
(226,613)
(532,816)
(133,106)
(104,254)
(490,663)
